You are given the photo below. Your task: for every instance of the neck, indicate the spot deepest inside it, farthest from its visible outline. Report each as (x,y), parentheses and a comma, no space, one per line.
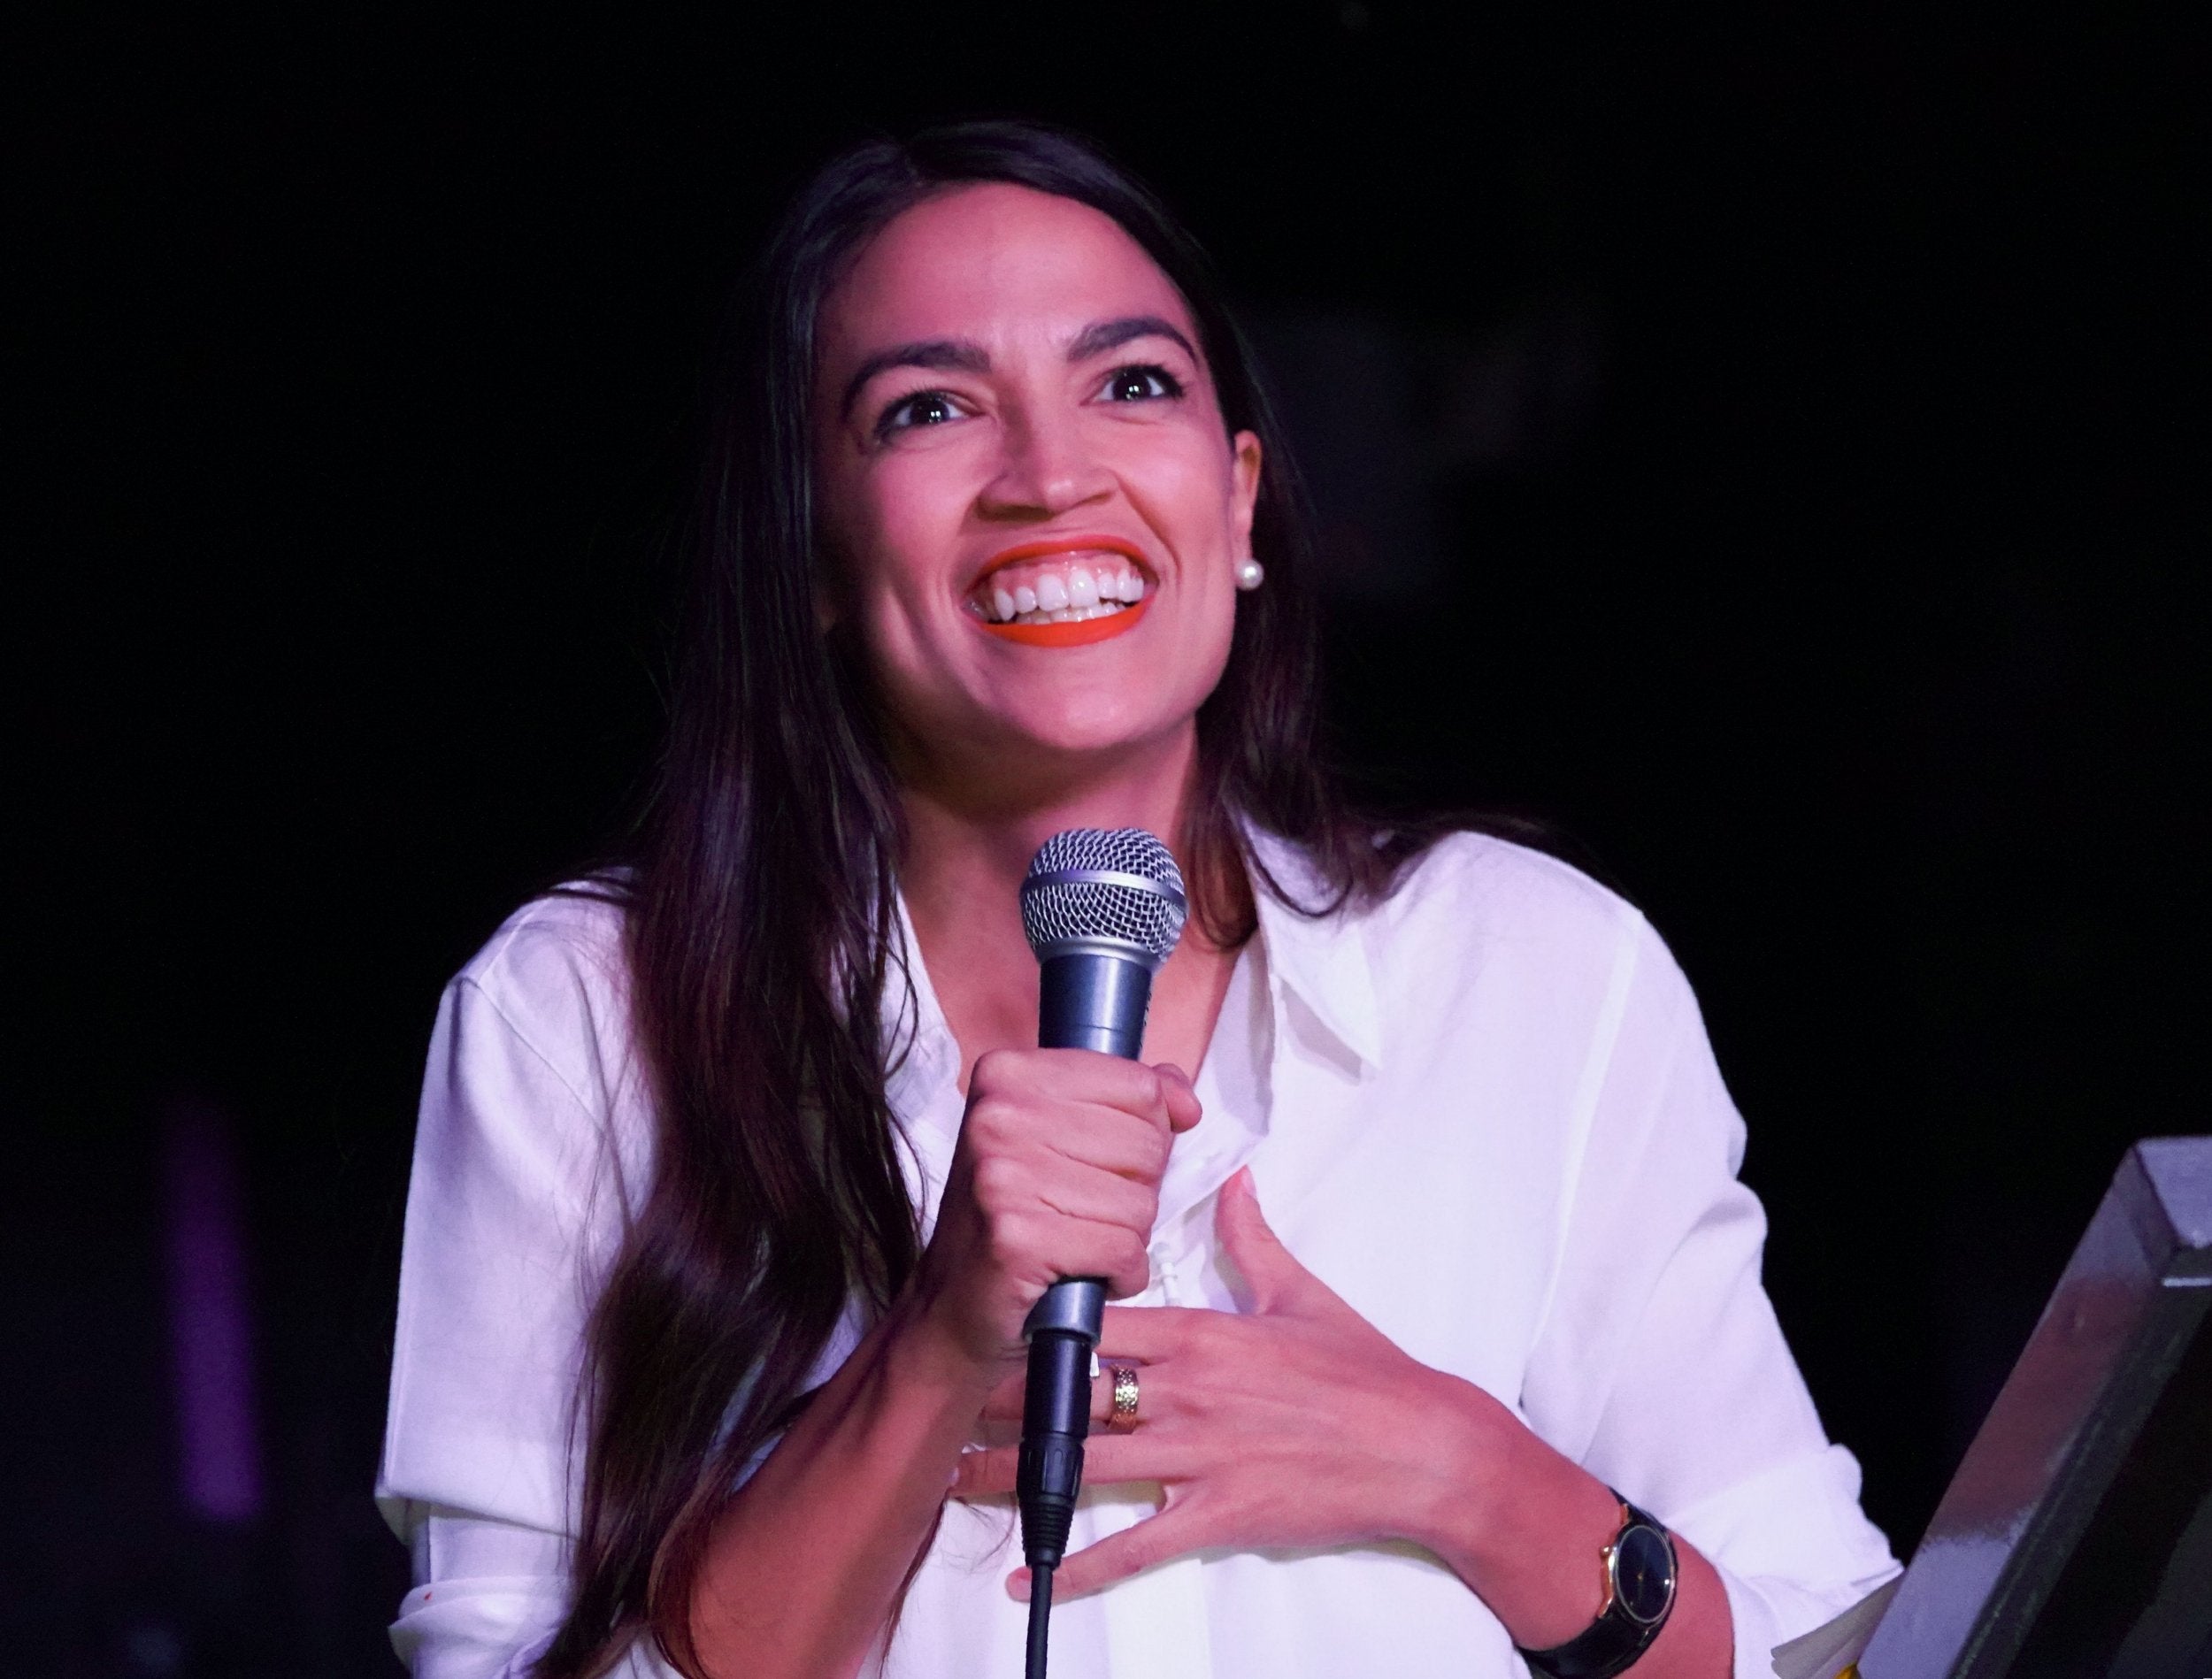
(966,853)
(968,847)
(960,837)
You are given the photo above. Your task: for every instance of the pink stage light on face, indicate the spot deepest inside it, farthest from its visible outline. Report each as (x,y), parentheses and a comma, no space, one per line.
(210,1318)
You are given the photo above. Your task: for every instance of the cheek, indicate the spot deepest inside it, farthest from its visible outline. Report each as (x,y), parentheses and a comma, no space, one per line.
(897,520)
(1184,485)
(1213,625)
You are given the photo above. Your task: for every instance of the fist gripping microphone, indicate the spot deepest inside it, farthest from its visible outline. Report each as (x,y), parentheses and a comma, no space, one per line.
(1102,909)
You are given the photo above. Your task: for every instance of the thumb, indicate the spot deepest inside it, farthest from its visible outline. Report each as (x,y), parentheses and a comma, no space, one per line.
(1184,1109)
(1276,1279)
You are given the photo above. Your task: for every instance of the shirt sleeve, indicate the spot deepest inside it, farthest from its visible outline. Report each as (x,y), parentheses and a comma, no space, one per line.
(1660,1365)
(512,1217)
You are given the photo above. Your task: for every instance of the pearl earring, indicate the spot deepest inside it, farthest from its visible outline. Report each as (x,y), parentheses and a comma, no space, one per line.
(1250,574)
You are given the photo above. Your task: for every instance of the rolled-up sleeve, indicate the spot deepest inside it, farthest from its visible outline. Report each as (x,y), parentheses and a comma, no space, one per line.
(512,1212)
(1660,1365)
(489,1595)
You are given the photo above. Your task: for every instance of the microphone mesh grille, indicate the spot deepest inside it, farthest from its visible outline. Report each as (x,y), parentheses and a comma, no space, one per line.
(1057,911)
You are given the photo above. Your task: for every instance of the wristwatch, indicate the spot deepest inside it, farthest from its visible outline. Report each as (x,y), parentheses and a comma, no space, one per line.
(1640,1577)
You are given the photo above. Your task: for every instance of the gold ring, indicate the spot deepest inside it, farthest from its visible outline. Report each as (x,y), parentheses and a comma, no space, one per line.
(1125,1412)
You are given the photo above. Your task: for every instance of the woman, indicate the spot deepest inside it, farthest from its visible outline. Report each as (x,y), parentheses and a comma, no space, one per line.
(738,1173)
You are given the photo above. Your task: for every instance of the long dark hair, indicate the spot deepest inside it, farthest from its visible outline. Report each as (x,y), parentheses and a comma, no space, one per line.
(760,899)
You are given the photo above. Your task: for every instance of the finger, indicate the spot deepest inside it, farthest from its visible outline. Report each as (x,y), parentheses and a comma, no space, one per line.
(1277,1280)
(1108,1460)
(1184,1109)
(1005,1403)
(1099,1198)
(1019,1079)
(1176,1530)
(1061,1246)
(1143,1336)
(985,1474)
(1073,1126)
(1148,1334)
(1094,1134)
(1088,1075)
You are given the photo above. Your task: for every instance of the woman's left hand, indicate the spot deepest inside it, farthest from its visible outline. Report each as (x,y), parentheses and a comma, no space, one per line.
(1298,1423)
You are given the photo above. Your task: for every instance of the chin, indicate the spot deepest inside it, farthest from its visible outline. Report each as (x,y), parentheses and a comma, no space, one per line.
(1103,732)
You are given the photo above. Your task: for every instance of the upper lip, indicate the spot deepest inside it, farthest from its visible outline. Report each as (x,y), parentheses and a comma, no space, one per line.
(1044,546)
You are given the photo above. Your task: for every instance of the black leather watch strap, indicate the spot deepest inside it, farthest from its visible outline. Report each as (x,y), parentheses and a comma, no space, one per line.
(1618,1636)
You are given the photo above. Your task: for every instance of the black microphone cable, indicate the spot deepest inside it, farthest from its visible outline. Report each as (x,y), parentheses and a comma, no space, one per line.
(1102,910)
(1039,1621)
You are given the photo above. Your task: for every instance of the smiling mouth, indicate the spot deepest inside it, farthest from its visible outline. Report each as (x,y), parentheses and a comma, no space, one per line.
(1062,594)
(1066,587)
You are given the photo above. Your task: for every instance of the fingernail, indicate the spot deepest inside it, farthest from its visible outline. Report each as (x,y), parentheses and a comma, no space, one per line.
(1018,1585)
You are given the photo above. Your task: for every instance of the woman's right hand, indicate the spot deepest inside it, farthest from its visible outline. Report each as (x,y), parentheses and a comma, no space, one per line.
(1056,1173)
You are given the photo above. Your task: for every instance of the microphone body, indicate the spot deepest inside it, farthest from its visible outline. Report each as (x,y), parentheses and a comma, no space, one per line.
(1102,910)
(1093,1000)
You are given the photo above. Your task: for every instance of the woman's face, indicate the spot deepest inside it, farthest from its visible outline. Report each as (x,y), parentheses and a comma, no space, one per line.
(1035,506)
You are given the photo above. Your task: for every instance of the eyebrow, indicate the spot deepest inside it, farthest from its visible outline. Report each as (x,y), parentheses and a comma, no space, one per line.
(963,356)
(1097,339)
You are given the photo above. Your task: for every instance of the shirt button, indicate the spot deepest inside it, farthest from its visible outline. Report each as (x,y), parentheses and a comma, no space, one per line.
(1163,1276)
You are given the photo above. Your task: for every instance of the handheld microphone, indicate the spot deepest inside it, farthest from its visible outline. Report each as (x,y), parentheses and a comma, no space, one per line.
(1102,910)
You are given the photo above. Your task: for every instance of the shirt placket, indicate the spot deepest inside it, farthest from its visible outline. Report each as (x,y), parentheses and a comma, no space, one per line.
(1157,1623)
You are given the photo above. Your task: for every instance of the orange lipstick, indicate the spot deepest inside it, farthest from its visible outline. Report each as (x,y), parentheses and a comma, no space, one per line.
(1071,635)
(1085,632)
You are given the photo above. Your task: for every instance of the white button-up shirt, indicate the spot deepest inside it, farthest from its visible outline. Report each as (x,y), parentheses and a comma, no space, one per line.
(1484,1112)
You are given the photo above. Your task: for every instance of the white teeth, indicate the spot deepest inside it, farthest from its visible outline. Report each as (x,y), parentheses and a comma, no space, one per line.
(1069,596)
(1069,614)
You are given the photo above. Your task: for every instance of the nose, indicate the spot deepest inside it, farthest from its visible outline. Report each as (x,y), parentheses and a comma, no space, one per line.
(1046,469)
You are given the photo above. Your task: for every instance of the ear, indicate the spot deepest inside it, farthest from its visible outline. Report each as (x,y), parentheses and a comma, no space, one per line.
(1244,486)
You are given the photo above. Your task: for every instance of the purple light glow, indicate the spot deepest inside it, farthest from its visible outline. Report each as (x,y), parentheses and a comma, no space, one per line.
(211,1319)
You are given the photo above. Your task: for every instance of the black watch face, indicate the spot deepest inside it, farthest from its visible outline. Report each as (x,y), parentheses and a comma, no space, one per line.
(1643,1573)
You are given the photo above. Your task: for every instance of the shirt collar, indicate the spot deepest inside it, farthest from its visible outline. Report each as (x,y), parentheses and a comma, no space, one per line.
(1319,961)
(923,1056)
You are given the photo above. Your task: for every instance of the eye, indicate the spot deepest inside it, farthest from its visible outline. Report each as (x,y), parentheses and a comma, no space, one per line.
(911,413)
(1141,382)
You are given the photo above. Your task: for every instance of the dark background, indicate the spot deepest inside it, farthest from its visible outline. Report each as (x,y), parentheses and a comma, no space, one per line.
(1752,446)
